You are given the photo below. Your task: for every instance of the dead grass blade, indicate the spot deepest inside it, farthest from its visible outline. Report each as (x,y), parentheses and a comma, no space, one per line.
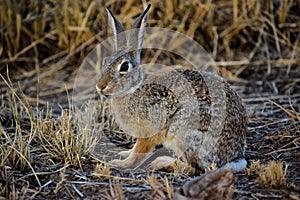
(293,114)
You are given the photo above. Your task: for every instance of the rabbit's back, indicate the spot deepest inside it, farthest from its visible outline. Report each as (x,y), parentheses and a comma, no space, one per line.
(232,144)
(215,129)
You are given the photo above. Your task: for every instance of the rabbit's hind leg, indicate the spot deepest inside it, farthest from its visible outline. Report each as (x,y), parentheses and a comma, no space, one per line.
(164,162)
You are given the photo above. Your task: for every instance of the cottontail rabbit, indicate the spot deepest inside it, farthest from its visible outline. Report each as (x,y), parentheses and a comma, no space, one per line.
(175,109)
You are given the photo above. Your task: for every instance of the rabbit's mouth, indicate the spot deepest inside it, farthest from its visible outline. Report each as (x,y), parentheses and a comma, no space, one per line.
(106,96)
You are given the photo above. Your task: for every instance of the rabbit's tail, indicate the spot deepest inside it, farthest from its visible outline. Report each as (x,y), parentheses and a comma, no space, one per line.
(236,165)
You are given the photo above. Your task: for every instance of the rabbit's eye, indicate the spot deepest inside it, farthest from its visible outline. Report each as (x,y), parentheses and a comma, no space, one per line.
(125,67)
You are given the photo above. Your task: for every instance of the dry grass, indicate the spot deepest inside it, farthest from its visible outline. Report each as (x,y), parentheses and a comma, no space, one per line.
(273,175)
(163,189)
(212,167)
(254,169)
(35,138)
(101,170)
(60,32)
(46,144)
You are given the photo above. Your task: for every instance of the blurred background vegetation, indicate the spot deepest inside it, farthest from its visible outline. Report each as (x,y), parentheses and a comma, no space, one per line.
(44,42)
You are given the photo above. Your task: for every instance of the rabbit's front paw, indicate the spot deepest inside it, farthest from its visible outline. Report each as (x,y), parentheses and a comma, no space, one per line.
(116,163)
(132,161)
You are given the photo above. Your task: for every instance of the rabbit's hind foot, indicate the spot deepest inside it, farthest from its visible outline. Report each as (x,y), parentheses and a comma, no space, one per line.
(164,162)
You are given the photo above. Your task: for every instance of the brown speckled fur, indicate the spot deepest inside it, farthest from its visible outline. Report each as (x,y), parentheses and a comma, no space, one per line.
(178,109)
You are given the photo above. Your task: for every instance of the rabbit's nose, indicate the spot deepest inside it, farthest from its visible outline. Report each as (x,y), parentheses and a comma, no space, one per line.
(100,87)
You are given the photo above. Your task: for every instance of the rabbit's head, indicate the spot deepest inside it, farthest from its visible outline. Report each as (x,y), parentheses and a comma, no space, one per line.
(122,73)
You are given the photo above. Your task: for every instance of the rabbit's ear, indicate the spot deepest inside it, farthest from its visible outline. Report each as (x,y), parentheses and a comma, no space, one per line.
(117,29)
(137,33)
